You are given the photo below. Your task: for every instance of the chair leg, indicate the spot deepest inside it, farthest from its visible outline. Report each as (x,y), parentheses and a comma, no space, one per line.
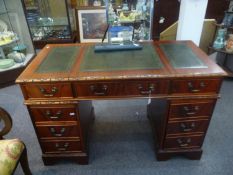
(24,162)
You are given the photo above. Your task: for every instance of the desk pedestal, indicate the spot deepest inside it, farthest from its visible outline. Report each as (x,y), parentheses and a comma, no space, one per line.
(180,125)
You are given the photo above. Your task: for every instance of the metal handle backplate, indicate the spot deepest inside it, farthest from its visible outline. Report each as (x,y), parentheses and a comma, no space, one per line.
(184,142)
(190,110)
(149,90)
(63,147)
(187,128)
(47,93)
(99,90)
(57,133)
(50,115)
(195,90)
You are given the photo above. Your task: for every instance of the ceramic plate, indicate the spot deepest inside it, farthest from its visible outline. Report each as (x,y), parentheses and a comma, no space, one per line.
(6,63)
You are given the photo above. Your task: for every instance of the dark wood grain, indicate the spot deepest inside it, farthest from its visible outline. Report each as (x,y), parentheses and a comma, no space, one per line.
(58,130)
(187,127)
(61,146)
(183,142)
(186,109)
(54,113)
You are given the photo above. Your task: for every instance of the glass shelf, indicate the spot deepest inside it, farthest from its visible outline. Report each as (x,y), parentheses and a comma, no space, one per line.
(49,21)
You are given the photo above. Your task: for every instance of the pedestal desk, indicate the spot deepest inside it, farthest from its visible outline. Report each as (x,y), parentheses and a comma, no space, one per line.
(180,81)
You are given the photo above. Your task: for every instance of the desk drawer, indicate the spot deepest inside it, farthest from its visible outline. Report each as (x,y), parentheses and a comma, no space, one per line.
(143,88)
(54,113)
(58,131)
(114,89)
(183,142)
(101,89)
(51,90)
(195,86)
(185,127)
(191,108)
(58,146)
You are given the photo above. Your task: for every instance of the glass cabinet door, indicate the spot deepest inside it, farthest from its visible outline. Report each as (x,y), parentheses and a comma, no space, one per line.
(16,48)
(130,20)
(49,21)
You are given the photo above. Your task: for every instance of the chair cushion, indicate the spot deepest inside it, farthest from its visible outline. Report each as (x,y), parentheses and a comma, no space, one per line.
(10,151)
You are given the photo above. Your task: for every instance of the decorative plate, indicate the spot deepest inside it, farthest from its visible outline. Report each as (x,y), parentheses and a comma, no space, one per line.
(6,63)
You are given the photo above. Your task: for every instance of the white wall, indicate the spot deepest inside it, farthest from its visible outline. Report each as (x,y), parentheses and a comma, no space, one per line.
(191,18)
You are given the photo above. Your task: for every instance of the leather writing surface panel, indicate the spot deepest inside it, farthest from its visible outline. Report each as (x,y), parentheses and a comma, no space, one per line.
(59,59)
(181,56)
(145,59)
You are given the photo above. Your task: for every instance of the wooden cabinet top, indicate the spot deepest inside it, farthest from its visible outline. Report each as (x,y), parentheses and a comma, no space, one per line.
(161,59)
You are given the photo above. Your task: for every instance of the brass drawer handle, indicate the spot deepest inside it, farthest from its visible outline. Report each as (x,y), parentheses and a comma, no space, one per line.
(62,147)
(57,134)
(99,91)
(57,115)
(151,88)
(192,89)
(191,111)
(184,142)
(53,91)
(185,128)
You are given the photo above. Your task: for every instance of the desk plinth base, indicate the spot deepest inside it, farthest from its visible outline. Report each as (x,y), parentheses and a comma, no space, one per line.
(194,154)
(51,159)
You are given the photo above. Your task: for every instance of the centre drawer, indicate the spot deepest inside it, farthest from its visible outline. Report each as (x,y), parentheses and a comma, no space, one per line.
(99,89)
(122,88)
(51,130)
(54,113)
(145,88)
(61,146)
(47,90)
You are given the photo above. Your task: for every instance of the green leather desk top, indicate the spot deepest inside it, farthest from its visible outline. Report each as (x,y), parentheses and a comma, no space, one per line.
(159,59)
(145,59)
(59,59)
(181,56)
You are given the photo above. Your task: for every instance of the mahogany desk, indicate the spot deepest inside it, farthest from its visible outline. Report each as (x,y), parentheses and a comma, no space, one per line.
(181,81)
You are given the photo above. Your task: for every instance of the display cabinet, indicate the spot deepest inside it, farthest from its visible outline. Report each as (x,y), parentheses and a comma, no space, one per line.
(127,20)
(50,21)
(16,48)
(223,41)
(130,20)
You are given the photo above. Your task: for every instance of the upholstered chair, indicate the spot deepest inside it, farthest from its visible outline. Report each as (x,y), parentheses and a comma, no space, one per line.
(12,151)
